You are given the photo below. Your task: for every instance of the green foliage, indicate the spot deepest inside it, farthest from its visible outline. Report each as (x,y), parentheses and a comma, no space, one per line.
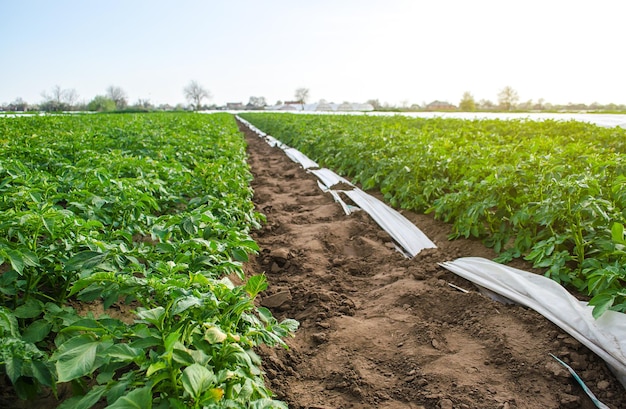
(100,103)
(553,193)
(467,104)
(153,210)
(21,360)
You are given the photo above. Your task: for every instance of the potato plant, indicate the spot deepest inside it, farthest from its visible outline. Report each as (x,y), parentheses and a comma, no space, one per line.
(551,192)
(152,211)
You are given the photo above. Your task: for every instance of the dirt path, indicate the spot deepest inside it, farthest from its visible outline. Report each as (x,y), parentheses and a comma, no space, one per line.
(379,330)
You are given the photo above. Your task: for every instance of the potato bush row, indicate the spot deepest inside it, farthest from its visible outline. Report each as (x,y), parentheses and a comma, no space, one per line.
(150,212)
(551,192)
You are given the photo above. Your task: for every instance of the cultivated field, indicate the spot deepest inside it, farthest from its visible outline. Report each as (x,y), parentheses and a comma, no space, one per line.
(145,219)
(158,260)
(379,330)
(552,193)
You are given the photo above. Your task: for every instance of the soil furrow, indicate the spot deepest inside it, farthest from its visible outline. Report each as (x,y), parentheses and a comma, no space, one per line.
(379,330)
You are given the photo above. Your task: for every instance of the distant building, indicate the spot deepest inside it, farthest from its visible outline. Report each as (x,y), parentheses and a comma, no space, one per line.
(322,106)
(252,107)
(440,106)
(287,107)
(363,107)
(346,106)
(235,106)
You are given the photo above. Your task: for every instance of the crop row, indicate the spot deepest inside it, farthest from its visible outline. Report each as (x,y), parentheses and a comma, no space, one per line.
(148,213)
(551,192)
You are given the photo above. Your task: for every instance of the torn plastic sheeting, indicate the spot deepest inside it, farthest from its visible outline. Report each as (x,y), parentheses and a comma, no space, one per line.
(606,336)
(347,209)
(405,233)
(273,142)
(328,177)
(299,157)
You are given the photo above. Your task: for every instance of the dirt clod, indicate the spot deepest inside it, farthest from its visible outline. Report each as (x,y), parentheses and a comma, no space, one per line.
(446,404)
(276,300)
(280,254)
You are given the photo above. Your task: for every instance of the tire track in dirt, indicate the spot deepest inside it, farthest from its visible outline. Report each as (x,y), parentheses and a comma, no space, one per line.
(379,330)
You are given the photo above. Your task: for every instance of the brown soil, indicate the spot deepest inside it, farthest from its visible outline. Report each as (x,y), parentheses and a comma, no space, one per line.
(382,331)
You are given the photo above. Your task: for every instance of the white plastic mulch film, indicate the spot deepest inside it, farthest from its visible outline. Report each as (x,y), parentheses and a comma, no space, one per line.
(273,142)
(411,239)
(347,208)
(299,157)
(605,336)
(329,178)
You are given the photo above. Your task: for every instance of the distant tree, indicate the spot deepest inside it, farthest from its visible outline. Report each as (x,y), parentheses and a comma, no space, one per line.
(101,103)
(257,102)
(165,107)
(467,104)
(526,106)
(279,102)
(71,97)
(195,93)
(507,98)
(539,105)
(302,95)
(572,106)
(18,105)
(59,99)
(55,95)
(118,95)
(144,103)
(486,105)
(375,103)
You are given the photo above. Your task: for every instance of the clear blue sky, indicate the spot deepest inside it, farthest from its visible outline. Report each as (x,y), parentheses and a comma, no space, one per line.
(410,51)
